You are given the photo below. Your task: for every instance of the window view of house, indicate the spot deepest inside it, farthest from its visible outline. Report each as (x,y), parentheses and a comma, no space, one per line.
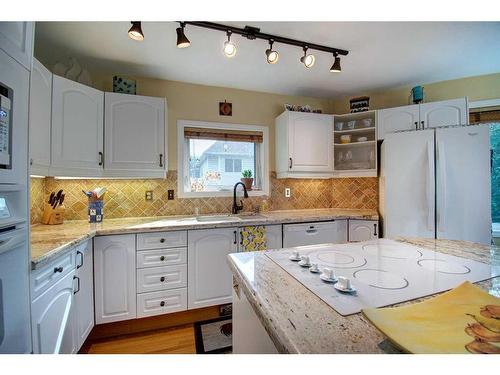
(217,165)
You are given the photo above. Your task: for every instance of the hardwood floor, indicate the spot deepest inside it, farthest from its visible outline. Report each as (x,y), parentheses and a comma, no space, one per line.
(176,340)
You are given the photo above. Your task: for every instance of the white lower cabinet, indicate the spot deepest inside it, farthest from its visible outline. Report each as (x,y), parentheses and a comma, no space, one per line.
(209,276)
(163,302)
(52,318)
(114,276)
(161,278)
(274,236)
(363,230)
(84,294)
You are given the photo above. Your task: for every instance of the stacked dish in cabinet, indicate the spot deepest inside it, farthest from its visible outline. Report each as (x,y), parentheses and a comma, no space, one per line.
(355,145)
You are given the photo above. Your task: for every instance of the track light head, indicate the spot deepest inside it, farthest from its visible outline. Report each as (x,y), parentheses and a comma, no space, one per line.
(307,60)
(336,64)
(135,32)
(272,56)
(182,40)
(229,48)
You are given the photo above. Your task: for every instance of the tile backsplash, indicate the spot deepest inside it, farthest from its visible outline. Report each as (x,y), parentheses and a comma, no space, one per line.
(126,198)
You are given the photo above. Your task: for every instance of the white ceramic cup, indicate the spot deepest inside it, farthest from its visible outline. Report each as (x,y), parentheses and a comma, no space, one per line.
(305,259)
(314,267)
(344,282)
(295,254)
(328,273)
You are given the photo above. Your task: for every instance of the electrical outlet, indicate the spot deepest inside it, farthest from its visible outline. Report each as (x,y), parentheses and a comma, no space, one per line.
(149,195)
(288,193)
(170,195)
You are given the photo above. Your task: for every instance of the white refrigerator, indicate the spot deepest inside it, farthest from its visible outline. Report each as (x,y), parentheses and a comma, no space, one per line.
(435,183)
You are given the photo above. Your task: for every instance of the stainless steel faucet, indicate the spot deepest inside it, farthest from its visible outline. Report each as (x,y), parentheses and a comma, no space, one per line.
(236,207)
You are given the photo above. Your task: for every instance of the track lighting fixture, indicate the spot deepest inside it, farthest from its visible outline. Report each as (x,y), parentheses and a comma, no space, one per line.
(182,40)
(253,33)
(271,55)
(229,48)
(135,32)
(307,60)
(336,64)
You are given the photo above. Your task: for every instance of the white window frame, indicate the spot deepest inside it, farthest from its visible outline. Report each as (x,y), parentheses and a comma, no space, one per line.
(183,158)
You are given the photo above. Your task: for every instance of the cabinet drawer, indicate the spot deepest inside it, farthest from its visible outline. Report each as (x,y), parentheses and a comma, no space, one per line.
(162,257)
(48,275)
(157,303)
(161,278)
(160,240)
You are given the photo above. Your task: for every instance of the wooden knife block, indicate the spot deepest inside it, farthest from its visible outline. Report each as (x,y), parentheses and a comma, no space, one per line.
(53,216)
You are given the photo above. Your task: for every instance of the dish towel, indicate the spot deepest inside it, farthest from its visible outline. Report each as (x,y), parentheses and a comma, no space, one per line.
(463,320)
(253,238)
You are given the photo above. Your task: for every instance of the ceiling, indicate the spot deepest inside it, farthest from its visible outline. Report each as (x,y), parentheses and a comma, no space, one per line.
(382,55)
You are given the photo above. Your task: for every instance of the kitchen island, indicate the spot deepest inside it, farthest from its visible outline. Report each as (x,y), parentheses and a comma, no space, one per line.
(295,320)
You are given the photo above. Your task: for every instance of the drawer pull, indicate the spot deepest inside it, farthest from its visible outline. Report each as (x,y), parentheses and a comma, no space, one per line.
(162,279)
(162,303)
(78,283)
(162,240)
(162,258)
(81,259)
(58,269)
(375,230)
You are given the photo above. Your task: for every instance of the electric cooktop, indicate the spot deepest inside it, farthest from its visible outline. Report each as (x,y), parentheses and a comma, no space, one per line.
(383,272)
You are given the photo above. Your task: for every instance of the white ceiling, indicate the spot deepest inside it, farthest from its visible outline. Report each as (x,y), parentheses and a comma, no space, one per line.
(382,54)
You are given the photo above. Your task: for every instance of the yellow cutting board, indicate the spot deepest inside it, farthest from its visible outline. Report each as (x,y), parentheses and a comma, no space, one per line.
(438,325)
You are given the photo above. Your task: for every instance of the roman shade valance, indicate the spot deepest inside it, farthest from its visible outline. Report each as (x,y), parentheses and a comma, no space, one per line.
(227,135)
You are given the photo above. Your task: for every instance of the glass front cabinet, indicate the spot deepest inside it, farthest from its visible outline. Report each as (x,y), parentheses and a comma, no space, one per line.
(355,144)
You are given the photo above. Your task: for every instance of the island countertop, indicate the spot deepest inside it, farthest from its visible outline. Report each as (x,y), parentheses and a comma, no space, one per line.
(51,241)
(298,321)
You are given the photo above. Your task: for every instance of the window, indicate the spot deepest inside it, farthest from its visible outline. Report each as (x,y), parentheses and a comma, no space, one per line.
(212,157)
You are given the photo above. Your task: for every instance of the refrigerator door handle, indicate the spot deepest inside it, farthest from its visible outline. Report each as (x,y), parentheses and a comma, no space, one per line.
(428,187)
(441,156)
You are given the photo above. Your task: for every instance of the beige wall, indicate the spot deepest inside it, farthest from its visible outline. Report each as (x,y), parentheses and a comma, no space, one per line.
(187,101)
(475,88)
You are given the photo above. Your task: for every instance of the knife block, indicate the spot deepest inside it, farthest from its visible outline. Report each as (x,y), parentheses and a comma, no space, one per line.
(52,216)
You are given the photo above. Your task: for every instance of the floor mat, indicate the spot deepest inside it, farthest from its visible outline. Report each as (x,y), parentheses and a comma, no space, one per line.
(214,336)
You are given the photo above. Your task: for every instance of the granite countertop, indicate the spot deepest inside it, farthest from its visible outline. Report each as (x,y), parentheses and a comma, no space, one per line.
(298,321)
(51,241)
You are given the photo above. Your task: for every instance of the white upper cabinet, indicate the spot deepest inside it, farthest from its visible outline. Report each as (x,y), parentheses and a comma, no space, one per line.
(304,145)
(423,116)
(16,39)
(209,276)
(40,112)
(134,136)
(114,276)
(443,113)
(399,118)
(77,129)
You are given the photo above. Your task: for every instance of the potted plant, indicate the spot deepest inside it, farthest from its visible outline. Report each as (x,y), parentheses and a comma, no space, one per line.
(247,179)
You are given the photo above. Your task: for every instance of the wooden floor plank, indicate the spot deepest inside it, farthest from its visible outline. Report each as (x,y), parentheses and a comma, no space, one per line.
(178,340)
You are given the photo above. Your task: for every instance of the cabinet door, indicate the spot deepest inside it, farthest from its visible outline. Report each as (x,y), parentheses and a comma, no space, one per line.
(399,118)
(51,315)
(134,135)
(77,129)
(310,142)
(114,271)
(209,276)
(274,236)
(363,230)
(443,113)
(40,113)
(314,233)
(84,296)
(16,39)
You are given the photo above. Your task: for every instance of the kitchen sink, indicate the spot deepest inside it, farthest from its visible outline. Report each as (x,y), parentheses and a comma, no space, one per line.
(206,218)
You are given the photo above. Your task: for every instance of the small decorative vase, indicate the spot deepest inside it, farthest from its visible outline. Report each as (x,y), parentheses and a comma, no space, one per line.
(248,182)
